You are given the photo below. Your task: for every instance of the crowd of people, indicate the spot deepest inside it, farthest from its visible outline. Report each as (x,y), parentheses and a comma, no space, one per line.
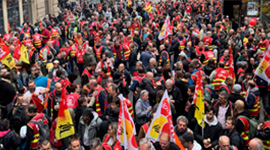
(99,50)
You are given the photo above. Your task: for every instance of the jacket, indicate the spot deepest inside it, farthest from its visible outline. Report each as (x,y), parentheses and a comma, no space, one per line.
(176,95)
(147,85)
(235,138)
(92,130)
(88,58)
(208,94)
(65,74)
(10,140)
(142,115)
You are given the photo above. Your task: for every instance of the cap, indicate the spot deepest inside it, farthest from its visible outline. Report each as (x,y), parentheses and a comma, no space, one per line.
(267,110)
(36,29)
(237,88)
(56,62)
(187,137)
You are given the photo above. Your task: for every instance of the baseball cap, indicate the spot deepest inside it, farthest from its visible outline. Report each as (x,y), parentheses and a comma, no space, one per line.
(187,137)
(56,62)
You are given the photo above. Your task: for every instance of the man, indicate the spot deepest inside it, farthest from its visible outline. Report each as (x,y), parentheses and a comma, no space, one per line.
(175,97)
(45,34)
(74,143)
(146,56)
(54,101)
(164,143)
(183,85)
(45,145)
(224,144)
(144,128)
(264,43)
(56,66)
(218,76)
(255,144)
(87,73)
(125,72)
(37,91)
(152,66)
(145,144)
(230,131)
(211,131)
(181,128)
(224,108)
(227,85)
(253,99)
(235,94)
(209,90)
(263,131)
(189,143)
(95,144)
(225,59)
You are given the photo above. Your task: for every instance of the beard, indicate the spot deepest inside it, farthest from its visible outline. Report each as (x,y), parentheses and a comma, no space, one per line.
(32,90)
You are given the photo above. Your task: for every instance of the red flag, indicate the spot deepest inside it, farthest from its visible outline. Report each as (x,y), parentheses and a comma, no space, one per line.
(231,66)
(38,102)
(17,54)
(9,26)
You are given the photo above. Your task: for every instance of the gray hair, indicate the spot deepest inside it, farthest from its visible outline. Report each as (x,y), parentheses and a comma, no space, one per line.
(95,142)
(225,94)
(152,60)
(139,62)
(169,81)
(143,92)
(145,141)
(182,118)
(259,144)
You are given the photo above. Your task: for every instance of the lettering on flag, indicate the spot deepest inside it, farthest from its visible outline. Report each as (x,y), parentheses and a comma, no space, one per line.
(263,70)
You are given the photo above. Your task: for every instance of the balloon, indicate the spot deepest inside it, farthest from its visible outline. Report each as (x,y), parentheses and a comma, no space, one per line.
(252,22)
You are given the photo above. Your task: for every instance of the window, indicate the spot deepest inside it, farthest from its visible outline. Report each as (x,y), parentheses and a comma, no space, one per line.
(27,11)
(1,18)
(13,13)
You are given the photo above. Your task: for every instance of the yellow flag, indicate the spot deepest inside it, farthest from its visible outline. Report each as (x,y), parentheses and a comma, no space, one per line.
(8,61)
(199,101)
(24,55)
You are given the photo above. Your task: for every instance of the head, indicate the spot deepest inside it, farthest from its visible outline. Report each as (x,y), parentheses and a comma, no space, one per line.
(144,95)
(210,113)
(187,140)
(239,106)
(255,144)
(56,64)
(145,144)
(30,111)
(164,141)
(113,90)
(58,88)
(182,123)
(87,116)
(112,129)
(229,81)
(230,123)
(32,85)
(223,98)
(226,53)
(149,76)
(224,142)
(74,143)
(95,144)
(45,145)
(169,85)
(153,62)
(191,90)
(121,67)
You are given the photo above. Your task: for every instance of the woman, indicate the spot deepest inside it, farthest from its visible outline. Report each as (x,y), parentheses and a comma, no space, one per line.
(110,139)
(9,139)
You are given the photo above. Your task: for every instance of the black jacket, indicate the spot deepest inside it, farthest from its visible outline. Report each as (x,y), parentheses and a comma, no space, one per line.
(229,110)
(176,95)
(183,87)
(133,58)
(147,85)
(235,138)
(172,146)
(264,134)
(10,140)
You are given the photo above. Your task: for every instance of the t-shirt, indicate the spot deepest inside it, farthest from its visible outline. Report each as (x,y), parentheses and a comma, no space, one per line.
(38,89)
(222,115)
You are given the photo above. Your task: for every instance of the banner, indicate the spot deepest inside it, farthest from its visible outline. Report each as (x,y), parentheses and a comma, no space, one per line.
(162,122)
(64,126)
(263,70)
(199,101)
(126,128)
(166,29)
(24,54)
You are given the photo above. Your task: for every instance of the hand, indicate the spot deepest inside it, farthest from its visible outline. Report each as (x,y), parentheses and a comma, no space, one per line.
(158,83)
(207,146)
(95,93)
(56,107)
(172,101)
(149,108)
(205,141)
(259,127)
(107,117)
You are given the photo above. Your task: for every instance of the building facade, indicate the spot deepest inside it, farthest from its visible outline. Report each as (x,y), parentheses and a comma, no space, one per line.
(14,12)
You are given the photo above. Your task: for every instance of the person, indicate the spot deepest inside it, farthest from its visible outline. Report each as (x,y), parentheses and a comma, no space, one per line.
(110,140)
(263,130)
(152,66)
(226,85)
(235,94)
(37,91)
(253,99)
(74,143)
(54,101)
(56,66)
(144,128)
(181,128)
(188,142)
(95,144)
(9,139)
(145,144)
(88,126)
(224,144)
(230,131)
(72,98)
(164,143)
(209,90)
(82,104)
(218,76)
(45,145)
(142,109)
(211,131)
(223,107)
(255,144)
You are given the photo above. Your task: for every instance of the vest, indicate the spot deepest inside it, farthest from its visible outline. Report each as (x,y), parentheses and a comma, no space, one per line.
(227,63)
(244,133)
(72,51)
(266,143)
(198,51)
(209,55)
(137,79)
(37,40)
(54,32)
(181,44)
(240,72)
(85,71)
(220,77)
(35,141)
(28,32)
(167,58)
(108,68)
(98,109)
(194,76)
(130,108)
(126,51)
(208,42)
(98,51)
(226,87)
(115,146)
(79,56)
(41,52)
(262,46)
(256,107)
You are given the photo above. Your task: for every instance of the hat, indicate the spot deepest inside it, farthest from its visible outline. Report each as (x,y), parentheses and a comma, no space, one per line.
(187,137)
(267,110)
(56,62)
(36,29)
(183,54)
(237,88)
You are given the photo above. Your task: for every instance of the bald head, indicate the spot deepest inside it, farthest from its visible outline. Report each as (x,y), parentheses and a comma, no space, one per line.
(58,87)
(256,144)
(224,142)
(239,105)
(149,76)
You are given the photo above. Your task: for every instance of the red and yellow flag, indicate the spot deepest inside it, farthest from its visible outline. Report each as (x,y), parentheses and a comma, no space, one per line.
(64,126)
(5,56)
(231,66)
(148,7)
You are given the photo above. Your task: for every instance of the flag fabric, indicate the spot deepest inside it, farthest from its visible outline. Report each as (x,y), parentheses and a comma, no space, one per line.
(231,66)
(198,101)
(17,51)
(263,70)
(64,126)
(5,56)
(162,122)
(9,28)
(126,128)
(38,102)
(24,54)
(129,2)
(148,7)
(166,29)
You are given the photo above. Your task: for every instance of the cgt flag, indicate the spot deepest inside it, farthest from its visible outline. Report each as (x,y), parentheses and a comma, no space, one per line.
(263,70)
(5,56)
(162,122)
(231,66)
(166,29)
(198,101)
(126,128)
(148,7)
(64,126)
(24,54)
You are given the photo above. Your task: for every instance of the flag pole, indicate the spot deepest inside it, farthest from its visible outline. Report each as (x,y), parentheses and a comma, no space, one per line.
(202,126)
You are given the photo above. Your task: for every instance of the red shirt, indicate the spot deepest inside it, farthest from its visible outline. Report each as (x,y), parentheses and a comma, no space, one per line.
(45,32)
(72,100)
(189,9)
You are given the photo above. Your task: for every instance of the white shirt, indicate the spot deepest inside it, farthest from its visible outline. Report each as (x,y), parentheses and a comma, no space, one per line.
(38,89)
(222,115)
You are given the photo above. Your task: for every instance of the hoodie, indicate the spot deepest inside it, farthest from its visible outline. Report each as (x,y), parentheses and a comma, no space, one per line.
(88,58)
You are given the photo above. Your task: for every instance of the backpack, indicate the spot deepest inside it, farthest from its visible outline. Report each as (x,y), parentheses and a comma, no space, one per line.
(44,130)
(253,123)
(212,93)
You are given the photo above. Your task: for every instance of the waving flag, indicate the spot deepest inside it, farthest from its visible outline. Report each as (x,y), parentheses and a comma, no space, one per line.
(231,66)
(38,102)
(64,126)
(129,2)
(162,122)
(198,101)
(166,29)
(263,70)
(126,128)
(24,54)
(5,56)
(148,7)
